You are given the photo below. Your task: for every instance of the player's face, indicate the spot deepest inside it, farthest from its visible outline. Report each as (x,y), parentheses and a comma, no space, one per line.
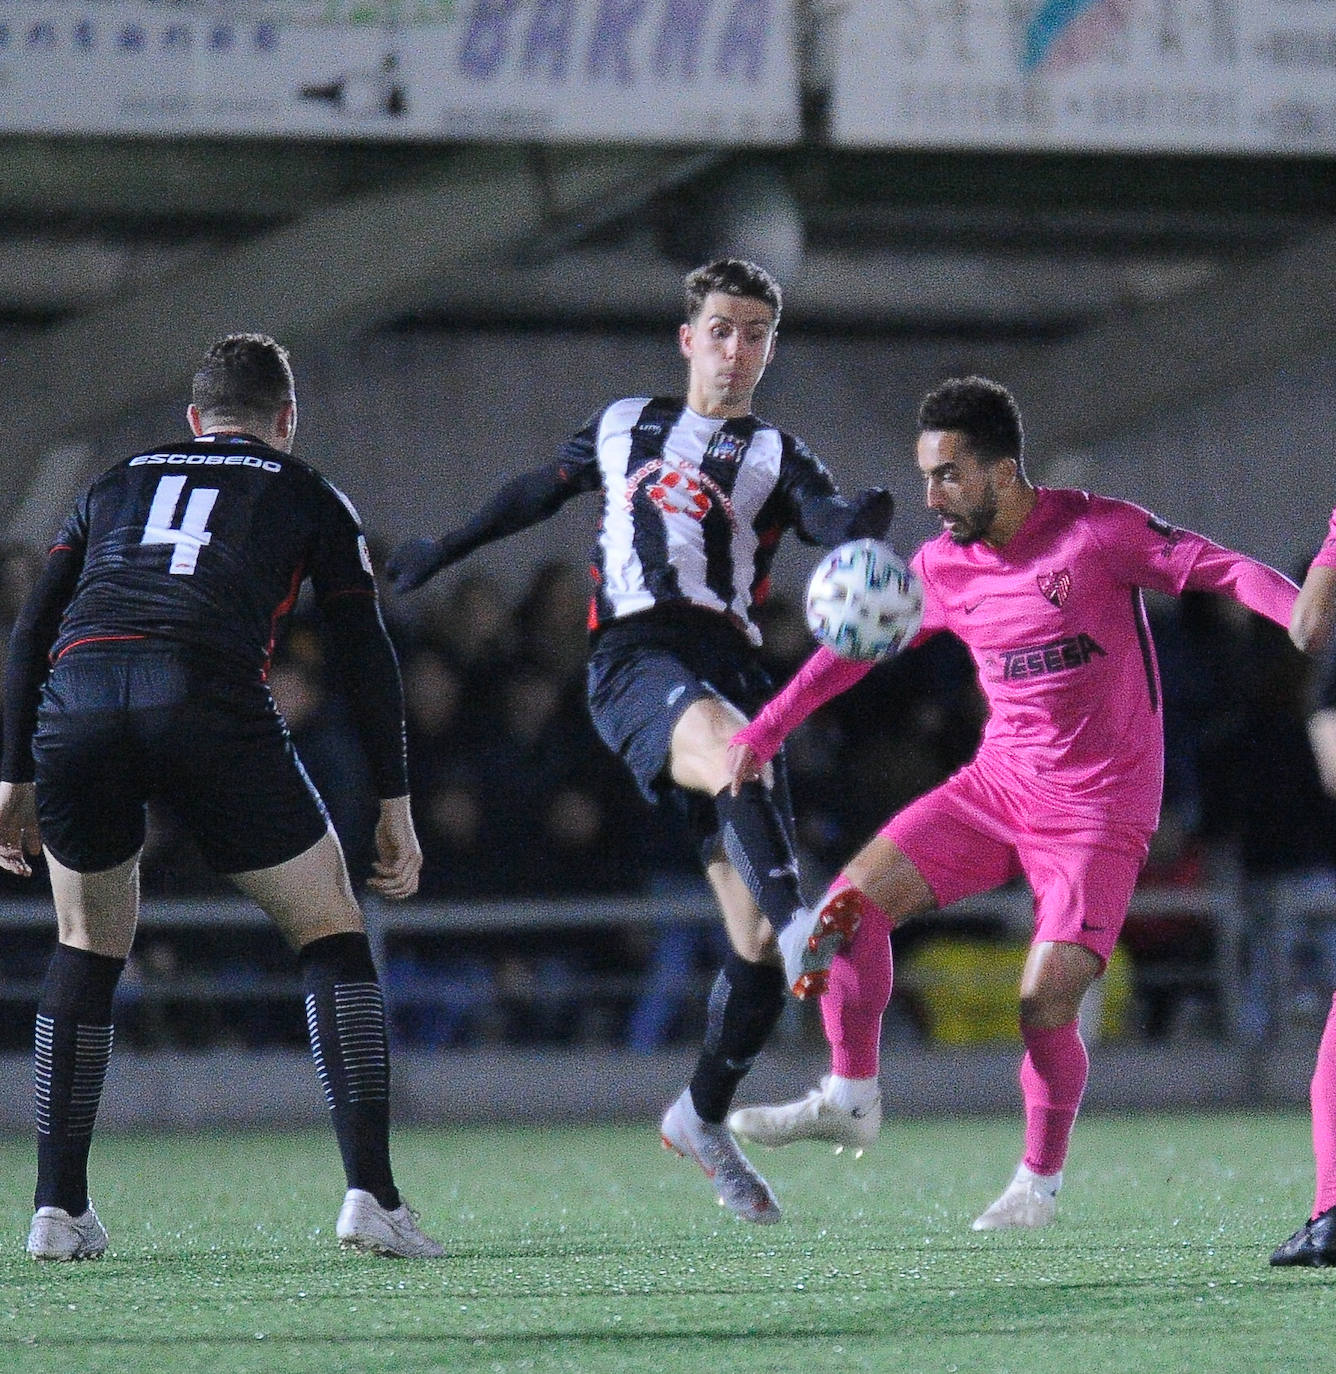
(958,488)
(727,347)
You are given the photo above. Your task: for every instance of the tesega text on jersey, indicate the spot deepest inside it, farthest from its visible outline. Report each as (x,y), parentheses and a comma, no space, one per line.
(209,460)
(1037,660)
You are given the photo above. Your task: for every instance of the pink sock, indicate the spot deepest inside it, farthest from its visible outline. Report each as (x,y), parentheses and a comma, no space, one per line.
(857,994)
(1053,1077)
(1322,1094)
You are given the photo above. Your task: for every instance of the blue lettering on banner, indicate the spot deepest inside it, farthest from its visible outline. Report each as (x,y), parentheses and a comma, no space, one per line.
(266,37)
(85,35)
(176,38)
(608,47)
(487,37)
(547,46)
(743,43)
(680,38)
(132,38)
(222,38)
(42,36)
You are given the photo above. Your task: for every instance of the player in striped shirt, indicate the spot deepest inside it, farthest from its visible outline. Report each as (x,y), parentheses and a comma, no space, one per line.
(696,492)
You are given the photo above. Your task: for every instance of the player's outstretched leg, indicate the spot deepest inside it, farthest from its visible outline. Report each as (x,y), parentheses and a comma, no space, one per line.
(345,1015)
(738,1186)
(846,1109)
(73,1048)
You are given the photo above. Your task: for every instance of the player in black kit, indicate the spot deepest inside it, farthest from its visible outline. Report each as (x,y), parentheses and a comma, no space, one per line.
(696,494)
(136,671)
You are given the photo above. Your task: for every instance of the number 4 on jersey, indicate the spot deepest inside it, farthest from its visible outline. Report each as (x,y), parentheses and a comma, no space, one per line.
(190,536)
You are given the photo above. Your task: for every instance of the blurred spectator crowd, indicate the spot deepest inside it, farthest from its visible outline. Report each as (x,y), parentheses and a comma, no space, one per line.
(515,797)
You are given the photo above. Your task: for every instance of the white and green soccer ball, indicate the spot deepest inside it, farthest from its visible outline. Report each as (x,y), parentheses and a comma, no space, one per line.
(863,602)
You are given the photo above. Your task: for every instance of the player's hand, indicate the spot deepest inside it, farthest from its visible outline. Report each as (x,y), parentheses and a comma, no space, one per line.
(873,510)
(416,560)
(398,853)
(19,832)
(745,766)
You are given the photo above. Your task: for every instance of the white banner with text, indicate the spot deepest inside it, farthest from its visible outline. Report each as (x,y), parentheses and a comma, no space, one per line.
(1246,76)
(663,71)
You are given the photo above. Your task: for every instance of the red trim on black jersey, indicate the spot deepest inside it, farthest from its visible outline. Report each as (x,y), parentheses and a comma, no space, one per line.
(280,611)
(93,639)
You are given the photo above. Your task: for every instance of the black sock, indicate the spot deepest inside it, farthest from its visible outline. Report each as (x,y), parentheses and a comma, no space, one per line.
(73,1049)
(758,846)
(345,1015)
(745,1002)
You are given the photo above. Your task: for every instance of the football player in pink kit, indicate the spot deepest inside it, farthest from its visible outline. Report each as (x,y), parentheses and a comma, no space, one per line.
(1313,627)
(1044,588)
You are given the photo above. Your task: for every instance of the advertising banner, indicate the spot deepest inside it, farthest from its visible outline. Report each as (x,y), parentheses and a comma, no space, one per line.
(1255,76)
(659,71)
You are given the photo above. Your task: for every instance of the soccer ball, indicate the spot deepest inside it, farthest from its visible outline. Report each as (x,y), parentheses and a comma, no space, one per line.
(863,602)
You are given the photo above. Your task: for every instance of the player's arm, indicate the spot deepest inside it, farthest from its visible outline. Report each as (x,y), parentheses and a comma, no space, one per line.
(822,515)
(1147,552)
(1313,620)
(25,671)
(366,666)
(522,502)
(823,676)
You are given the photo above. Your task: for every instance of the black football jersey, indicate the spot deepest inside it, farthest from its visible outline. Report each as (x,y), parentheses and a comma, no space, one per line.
(205,544)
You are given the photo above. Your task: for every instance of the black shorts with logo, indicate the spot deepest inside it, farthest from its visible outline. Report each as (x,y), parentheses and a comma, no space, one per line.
(121,725)
(645,670)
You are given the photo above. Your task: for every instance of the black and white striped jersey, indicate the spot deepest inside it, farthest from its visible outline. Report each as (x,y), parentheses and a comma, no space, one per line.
(693,507)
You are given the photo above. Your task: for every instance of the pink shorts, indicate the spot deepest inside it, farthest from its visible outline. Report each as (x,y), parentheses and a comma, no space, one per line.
(971,835)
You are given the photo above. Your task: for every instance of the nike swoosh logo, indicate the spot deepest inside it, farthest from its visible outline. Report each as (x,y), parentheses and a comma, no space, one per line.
(969,610)
(674,695)
(858,1113)
(782,872)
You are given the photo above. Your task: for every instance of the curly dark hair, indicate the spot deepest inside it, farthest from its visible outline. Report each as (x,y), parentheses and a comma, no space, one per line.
(243,377)
(734,277)
(985,412)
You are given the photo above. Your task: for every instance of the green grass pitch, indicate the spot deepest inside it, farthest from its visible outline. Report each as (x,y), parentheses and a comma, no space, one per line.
(592,1249)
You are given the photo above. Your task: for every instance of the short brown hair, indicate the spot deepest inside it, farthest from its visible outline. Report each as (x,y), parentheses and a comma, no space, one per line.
(243,377)
(734,277)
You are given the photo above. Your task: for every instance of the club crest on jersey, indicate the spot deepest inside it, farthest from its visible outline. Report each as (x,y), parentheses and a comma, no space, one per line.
(1055,586)
(727,448)
(677,492)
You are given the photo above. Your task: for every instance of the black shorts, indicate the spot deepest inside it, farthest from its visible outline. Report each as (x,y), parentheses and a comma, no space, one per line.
(118,728)
(645,671)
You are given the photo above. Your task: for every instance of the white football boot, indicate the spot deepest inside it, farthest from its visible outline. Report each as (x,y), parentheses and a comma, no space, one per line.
(364,1224)
(739,1187)
(813,938)
(1029,1200)
(55,1235)
(818,1116)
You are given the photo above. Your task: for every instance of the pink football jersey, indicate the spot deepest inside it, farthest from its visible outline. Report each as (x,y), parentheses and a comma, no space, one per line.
(1056,626)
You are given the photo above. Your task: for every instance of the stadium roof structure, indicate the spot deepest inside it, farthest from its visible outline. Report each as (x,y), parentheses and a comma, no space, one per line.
(119,258)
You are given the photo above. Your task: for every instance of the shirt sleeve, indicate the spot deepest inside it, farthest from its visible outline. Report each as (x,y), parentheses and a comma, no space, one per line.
(30,644)
(357,642)
(823,676)
(820,515)
(1147,552)
(532,497)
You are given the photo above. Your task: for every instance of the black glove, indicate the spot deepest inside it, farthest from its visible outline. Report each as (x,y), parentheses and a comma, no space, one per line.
(873,509)
(416,560)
